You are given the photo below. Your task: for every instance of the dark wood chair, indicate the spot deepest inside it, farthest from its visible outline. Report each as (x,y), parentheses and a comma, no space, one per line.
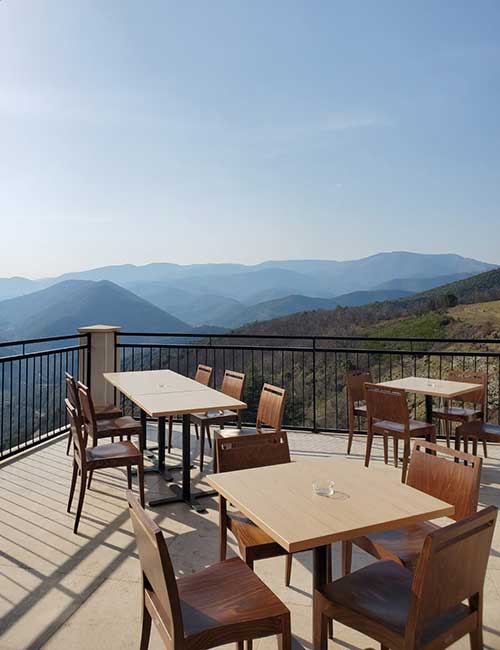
(204,376)
(233,384)
(387,414)
(456,411)
(355,382)
(87,459)
(476,431)
(224,603)
(95,429)
(269,415)
(436,474)
(423,610)
(245,452)
(102,411)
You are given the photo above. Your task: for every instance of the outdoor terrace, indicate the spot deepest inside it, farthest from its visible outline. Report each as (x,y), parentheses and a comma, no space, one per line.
(60,590)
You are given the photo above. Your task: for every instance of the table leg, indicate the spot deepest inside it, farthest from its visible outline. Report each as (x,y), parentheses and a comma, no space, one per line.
(143,441)
(320,571)
(182,492)
(160,468)
(428,408)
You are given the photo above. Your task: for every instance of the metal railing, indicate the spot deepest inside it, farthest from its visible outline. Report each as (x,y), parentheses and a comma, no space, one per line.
(311,368)
(32,388)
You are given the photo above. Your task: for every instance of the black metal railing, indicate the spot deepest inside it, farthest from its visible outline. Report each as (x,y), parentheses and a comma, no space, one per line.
(32,388)
(311,368)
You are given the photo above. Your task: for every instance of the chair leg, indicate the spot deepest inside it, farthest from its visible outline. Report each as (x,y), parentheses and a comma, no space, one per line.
(395,447)
(447,428)
(170,428)
(240,645)
(140,477)
(72,486)
(285,638)
(386,449)
(476,636)
(485,449)
(346,557)
(369,443)
(91,476)
(320,630)
(351,434)
(474,446)
(129,477)
(197,431)
(288,568)
(70,438)
(202,446)
(81,498)
(207,431)
(146,627)
(406,458)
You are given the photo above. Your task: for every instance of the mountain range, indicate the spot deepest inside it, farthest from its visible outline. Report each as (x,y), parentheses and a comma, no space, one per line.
(170,297)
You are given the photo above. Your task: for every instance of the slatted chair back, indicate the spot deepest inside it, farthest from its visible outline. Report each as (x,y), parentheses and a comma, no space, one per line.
(233,383)
(88,411)
(160,587)
(204,374)
(72,392)
(451,569)
(271,408)
(355,381)
(246,452)
(478,397)
(384,403)
(76,432)
(437,474)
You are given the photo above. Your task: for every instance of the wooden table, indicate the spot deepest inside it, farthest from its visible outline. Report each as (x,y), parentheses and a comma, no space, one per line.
(161,393)
(279,499)
(432,388)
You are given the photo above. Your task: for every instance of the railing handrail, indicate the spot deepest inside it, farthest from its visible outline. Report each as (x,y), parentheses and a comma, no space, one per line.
(45,339)
(43,353)
(208,335)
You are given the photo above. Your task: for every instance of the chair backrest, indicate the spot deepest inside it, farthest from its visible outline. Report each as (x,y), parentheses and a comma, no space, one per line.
(157,571)
(271,408)
(355,381)
(383,403)
(87,406)
(451,568)
(233,383)
(72,392)
(441,477)
(246,452)
(204,374)
(76,432)
(471,377)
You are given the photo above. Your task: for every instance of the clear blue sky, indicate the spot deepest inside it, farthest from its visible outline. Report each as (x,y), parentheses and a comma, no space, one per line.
(215,131)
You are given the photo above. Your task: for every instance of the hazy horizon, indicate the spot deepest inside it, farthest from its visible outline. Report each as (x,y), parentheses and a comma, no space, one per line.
(222,132)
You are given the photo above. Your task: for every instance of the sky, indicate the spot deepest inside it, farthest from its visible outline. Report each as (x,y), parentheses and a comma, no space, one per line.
(136,132)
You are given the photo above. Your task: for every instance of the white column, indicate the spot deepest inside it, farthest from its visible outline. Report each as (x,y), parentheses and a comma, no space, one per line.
(103,357)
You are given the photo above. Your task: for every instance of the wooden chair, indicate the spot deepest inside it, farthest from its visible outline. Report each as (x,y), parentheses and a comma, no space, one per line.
(436,474)
(221,604)
(95,429)
(387,414)
(232,385)
(269,414)
(456,411)
(203,376)
(245,452)
(476,431)
(420,611)
(86,460)
(102,411)
(355,382)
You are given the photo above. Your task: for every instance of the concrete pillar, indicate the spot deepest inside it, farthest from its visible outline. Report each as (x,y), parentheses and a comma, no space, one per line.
(103,358)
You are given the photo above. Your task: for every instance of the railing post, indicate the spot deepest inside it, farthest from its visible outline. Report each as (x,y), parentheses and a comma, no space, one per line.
(102,357)
(315,428)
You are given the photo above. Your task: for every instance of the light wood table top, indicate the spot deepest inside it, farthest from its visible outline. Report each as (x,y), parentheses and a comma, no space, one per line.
(280,500)
(161,393)
(433,387)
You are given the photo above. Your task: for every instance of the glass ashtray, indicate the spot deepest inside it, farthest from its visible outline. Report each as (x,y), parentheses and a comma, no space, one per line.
(323,488)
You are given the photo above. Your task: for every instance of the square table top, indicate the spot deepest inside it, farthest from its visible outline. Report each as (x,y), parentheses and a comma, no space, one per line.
(280,500)
(433,387)
(161,393)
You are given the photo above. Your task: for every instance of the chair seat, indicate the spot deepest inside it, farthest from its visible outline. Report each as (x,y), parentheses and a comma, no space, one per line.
(381,592)
(404,543)
(250,536)
(480,430)
(124,425)
(231,432)
(417,427)
(107,411)
(225,594)
(203,418)
(458,413)
(114,451)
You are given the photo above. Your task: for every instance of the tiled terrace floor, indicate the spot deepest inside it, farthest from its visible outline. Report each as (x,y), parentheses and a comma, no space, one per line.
(59,590)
